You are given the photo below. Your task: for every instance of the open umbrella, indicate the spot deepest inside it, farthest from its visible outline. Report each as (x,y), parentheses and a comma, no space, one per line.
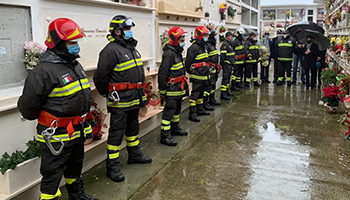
(303,25)
(322,41)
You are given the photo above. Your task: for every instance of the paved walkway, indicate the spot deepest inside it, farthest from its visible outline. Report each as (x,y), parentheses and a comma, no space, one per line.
(268,143)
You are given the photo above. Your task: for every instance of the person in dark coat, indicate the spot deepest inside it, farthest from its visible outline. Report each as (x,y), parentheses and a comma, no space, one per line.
(322,65)
(273,52)
(312,55)
(299,57)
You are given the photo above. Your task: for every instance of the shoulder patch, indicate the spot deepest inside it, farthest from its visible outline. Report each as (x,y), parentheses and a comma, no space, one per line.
(66,78)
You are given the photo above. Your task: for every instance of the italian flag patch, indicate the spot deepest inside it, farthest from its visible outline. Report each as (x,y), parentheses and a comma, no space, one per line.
(66,79)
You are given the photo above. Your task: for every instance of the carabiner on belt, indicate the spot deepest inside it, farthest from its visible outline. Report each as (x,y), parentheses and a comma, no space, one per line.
(48,136)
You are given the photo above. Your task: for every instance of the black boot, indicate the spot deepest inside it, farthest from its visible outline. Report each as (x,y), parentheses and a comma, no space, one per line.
(201,111)
(279,83)
(76,191)
(239,85)
(256,83)
(165,138)
(247,84)
(212,100)
(193,114)
(136,157)
(224,96)
(115,174)
(289,83)
(229,93)
(177,130)
(235,88)
(207,105)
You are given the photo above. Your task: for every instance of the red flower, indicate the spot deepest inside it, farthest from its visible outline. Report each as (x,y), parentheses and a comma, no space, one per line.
(94,112)
(94,104)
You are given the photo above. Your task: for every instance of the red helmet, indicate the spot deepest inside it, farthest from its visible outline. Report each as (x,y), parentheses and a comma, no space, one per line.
(62,29)
(174,34)
(200,31)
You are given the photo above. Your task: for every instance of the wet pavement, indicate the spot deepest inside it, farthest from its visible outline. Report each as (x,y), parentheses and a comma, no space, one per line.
(268,143)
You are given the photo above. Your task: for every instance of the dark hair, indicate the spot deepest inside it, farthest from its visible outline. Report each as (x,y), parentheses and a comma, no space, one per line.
(310,36)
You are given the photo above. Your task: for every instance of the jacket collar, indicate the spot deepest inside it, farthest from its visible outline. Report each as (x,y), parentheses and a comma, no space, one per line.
(131,44)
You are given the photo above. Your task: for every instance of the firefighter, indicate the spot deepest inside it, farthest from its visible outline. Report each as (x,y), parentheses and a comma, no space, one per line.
(197,65)
(227,54)
(172,84)
(119,77)
(58,94)
(209,93)
(239,64)
(253,57)
(285,46)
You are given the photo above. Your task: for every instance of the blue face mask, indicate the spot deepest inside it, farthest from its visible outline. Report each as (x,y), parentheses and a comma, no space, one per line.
(233,39)
(128,34)
(73,49)
(267,37)
(242,35)
(181,45)
(205,39)
(215,37)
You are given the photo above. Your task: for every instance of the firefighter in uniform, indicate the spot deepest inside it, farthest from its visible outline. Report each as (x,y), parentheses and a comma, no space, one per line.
(58,94)
(227,58)
(238,47)
(119,77)
(197,65)
(209,93)
(252,59)
(285,47)
(172,84)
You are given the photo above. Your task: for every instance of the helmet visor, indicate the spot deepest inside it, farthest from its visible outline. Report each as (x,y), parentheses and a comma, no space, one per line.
(128,22)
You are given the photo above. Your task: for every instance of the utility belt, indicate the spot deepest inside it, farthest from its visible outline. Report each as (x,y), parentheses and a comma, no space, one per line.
(52,122)
(201,64)
(206,64)
(113,88)
(124,86)
(240,56)
(180,79)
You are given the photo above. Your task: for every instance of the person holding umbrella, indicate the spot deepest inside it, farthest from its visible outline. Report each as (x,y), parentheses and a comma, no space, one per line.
(312,55)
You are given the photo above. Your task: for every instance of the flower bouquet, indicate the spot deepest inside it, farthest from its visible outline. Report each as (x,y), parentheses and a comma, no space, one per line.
(328,76)
(98,122)
(32,51)
(272,24)
(231,12)
(222,32)
(164,38)
(272,15)
(279,25)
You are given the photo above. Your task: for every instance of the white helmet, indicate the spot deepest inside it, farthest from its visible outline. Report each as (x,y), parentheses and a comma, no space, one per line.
(240,31)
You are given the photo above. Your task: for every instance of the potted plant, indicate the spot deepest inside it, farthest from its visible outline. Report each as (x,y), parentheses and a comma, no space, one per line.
(20,169)
(331,97)
(32,52)
(328,76)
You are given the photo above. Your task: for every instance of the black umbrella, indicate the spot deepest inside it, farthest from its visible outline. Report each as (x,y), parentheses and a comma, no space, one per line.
(303,25)
(322,41)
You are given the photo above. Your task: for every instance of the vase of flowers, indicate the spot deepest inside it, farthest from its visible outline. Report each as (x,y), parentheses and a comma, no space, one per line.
(222,10)
(32,52)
